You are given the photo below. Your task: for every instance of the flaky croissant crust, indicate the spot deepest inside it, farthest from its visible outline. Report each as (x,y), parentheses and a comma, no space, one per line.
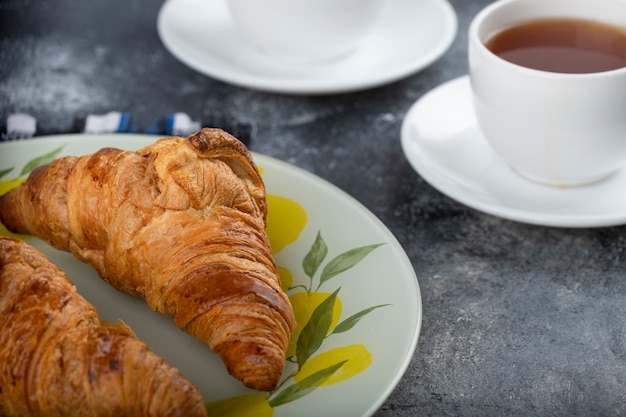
(180,223)
(58,359)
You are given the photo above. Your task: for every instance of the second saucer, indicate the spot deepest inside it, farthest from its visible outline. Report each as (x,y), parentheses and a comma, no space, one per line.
(410,36)
(443,143)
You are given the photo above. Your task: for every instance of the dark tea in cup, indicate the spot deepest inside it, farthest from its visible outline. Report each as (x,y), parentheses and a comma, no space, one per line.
(564,45)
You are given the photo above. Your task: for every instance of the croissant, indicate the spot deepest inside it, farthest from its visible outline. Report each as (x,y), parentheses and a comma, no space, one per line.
(180,223)
(58,359)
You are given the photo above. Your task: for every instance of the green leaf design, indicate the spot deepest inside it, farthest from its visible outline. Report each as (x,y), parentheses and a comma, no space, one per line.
(5,172)
(315,330)
(308,384)
(349,323)
(346,261)
(40,160)
(318,327)
(313,259)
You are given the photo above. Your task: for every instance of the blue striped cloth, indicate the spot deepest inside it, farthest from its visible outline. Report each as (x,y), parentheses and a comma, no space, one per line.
(18,126)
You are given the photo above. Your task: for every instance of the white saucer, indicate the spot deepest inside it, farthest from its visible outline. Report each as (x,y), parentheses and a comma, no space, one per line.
(411,35)
(442,142)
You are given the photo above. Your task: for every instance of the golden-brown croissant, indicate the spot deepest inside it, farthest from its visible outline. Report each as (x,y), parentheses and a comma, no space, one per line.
(180,223)
(58,359)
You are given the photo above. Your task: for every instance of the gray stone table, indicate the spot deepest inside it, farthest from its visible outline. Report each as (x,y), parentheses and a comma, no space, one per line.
(517,319)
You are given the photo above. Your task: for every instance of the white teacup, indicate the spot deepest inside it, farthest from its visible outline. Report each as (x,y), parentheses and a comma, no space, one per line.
(305,31)
(555,128)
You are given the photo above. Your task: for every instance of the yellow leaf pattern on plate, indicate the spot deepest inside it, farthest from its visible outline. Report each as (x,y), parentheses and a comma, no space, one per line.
(286,278)
(285,221)
(8,185)
(304,303)
(251,405)
(357,358)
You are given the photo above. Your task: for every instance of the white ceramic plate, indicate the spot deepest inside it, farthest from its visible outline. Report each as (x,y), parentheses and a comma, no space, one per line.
(387,335)
(443,143)
(411,35)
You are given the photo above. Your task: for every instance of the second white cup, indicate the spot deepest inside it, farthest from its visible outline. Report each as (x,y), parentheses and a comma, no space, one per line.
(305,31)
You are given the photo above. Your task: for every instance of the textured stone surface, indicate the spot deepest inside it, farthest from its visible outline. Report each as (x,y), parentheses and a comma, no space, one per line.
(518,319)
